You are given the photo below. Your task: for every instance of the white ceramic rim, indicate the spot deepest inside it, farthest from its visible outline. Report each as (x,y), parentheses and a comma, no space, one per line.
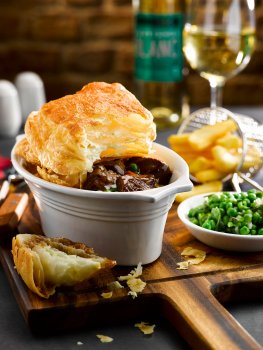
(181,210)
(181,184)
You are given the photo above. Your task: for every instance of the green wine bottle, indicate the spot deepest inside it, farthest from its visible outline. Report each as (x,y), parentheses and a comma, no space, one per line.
(159,59)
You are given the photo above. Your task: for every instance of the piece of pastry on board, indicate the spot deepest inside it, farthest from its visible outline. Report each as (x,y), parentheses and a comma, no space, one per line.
(47,263)
(66,136)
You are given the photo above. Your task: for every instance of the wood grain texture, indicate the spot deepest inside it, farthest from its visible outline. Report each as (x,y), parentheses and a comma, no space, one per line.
(199,317)
(192,300)
(11,212)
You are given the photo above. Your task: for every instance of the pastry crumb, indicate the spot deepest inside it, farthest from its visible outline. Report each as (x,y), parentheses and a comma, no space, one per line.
(135,284)
(104,338)
(196,256)
(106,295)
(114,285)
(133,274)
(145,328)
(132,294)
(182,265)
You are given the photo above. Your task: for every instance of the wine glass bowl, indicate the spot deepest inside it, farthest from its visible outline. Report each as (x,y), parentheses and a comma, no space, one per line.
(219,39)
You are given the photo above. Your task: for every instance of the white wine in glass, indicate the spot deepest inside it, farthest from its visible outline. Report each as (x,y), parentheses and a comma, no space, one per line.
(219,39)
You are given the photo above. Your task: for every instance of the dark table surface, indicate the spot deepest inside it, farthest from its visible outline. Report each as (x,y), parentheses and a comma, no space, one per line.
(15,335)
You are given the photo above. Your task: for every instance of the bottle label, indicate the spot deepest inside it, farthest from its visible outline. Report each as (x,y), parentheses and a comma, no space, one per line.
(158,47)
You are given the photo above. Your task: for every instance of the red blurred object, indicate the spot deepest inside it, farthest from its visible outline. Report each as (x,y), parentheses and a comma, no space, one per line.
(2,175)
(4,163)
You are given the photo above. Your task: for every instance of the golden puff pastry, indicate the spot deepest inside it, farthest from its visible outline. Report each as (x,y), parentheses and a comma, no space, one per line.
(69,134)
(46,263)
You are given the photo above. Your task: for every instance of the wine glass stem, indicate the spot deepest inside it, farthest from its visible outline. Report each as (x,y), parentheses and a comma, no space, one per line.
(216,94)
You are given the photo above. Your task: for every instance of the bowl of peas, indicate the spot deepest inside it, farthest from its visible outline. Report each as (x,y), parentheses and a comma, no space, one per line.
(226,220)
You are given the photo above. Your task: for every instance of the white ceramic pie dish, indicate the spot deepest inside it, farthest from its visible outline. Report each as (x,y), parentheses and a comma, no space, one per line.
(221,240)
(127,227)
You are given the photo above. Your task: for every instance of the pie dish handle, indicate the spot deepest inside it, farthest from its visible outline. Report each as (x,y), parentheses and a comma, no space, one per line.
(180,185)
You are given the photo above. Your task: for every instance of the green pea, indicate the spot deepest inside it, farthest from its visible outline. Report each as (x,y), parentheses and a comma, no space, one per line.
(222,205)
(237,213)
(207,225)
(244,230)
(213,198)
(256,217)
(225,219)
(134,168)
(231,212)
(194,221)
(191,213)
(241,205)
(222,211)
(252,196)
(227,194)
(247,218)
(229,205)
(213,205)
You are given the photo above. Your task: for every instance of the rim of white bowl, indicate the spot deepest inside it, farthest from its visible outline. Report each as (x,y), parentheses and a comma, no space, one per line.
(181,184)
(182,214)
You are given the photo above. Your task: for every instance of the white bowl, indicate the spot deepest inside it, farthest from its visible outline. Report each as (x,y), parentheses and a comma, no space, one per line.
(127,227)
(221,240)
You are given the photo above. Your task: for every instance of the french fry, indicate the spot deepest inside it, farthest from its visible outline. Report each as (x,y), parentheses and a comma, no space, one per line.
(189,152)
(179,139)
(200,163)
(209,175)
(204,137)
(213,151)
(253,158)
(188,157)
(229,141)
(183,149)
(224,160)
(213,186)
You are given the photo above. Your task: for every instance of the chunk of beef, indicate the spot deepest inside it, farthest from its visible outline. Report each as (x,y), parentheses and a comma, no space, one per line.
(100,179)
(159,169)
(116,165)
(133,182)
(121,175)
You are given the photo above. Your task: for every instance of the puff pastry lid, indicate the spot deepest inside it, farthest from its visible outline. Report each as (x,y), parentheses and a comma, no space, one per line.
(102,120)
(47,263)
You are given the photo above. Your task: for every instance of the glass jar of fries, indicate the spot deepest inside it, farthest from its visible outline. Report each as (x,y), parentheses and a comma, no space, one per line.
(215,143)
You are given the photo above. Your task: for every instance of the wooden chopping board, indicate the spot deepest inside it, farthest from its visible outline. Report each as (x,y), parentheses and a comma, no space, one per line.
(192,300)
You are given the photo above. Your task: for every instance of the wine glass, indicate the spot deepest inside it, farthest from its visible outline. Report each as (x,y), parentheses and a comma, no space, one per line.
(219,38)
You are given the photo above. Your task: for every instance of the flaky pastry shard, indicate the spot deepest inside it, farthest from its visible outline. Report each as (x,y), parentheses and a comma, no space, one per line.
(101,120)
(47,263)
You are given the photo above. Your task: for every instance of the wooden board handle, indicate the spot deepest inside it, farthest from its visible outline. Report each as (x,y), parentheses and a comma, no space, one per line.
(202,321)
